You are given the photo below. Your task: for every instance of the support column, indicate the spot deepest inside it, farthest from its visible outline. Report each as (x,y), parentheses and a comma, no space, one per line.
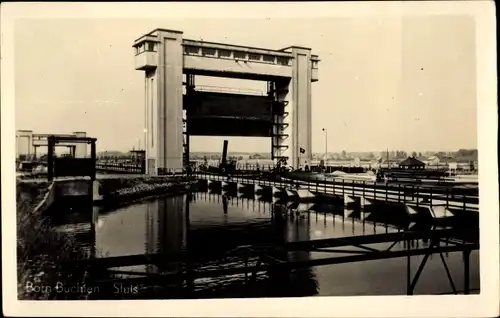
(93,157)
(24,140)
(50,158)
(190,85)
(299,108)
(168,117)
(466,258)
(80,148)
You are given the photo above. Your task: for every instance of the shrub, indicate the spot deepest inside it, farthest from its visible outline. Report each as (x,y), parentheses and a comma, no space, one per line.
(40,247)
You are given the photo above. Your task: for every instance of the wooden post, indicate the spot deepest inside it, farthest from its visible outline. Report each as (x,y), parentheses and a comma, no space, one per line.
(399,193)
(430,197)
(466,255)
(93,159)
(50,158)
(404,193)
(447,199)
(418,188)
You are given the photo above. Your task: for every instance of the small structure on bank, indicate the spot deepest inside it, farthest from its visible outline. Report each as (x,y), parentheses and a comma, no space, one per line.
(70,166)
(412,163)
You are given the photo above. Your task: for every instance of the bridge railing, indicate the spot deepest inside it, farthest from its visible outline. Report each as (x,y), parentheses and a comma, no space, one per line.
(121,167)
(453,198)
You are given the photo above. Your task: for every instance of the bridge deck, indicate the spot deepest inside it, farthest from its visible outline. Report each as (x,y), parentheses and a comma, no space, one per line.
(458,198)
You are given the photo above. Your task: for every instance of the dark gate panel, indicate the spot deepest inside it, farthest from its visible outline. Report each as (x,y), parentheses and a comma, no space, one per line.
(228,127)
(72,167)
(223,114)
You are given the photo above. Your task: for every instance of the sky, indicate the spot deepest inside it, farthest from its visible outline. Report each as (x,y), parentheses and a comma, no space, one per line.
(405,83)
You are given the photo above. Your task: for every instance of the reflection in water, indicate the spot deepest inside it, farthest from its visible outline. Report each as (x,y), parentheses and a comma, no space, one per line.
(209,227)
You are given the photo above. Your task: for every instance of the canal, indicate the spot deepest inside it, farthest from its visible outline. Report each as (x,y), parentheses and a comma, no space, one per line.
(212,226)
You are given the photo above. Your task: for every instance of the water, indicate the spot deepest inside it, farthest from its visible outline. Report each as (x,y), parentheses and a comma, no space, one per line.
(218,224)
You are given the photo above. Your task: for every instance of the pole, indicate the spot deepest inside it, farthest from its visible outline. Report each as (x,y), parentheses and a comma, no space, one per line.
(145,131)
(326,145)
(388,162)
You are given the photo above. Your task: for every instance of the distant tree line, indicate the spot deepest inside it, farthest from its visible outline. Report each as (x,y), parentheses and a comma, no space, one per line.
(462,155)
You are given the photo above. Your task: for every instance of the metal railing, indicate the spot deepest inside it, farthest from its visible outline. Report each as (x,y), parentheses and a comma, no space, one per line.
(121,167)
(464,199)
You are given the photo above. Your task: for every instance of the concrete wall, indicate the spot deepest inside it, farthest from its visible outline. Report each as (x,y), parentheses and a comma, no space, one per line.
(48,200)
(73,188)
(146,60)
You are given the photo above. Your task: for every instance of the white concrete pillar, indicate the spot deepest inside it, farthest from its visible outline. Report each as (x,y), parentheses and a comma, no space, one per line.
(80,148)
(299,108)
(163,102)
(169,113)
(96,196)
(24,143)
(151,110)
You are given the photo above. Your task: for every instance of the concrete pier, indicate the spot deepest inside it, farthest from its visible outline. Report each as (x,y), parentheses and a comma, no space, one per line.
(305,194)
(350,201)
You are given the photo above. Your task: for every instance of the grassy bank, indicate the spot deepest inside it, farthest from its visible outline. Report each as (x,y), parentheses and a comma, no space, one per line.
(40,247)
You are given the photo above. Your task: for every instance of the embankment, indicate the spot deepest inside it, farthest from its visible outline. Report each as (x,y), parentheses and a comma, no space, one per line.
(118,192)
(40,246)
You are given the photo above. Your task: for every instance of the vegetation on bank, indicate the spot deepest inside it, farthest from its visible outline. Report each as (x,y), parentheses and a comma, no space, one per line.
(40,247)
(124,190)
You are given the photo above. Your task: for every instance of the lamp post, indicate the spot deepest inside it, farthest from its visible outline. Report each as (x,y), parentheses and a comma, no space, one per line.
(326,146)
(145,159)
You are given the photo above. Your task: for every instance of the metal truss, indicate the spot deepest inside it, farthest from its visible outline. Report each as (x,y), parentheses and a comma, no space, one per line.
(272,258)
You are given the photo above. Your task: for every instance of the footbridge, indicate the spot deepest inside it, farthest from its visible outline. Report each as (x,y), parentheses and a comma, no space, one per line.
(434,201)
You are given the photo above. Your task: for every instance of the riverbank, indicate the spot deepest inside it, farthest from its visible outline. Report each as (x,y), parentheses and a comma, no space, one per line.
(118,192)
(40,247)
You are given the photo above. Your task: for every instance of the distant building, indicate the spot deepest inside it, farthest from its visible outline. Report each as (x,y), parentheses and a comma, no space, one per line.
(411,163)
(433,160)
